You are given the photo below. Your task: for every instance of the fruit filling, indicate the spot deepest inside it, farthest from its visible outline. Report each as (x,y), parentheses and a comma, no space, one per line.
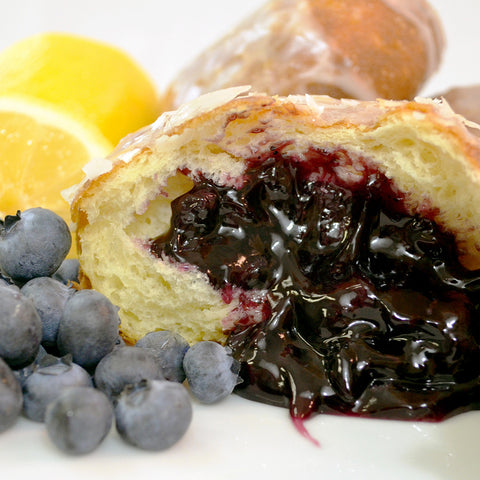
(350,305)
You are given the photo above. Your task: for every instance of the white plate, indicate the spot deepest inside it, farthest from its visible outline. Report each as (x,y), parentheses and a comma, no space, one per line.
(238,438)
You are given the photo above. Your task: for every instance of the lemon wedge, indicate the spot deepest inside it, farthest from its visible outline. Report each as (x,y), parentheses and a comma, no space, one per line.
(42,151)
(93,81)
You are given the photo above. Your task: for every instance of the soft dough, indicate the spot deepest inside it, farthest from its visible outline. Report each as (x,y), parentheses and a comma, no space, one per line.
(426,150)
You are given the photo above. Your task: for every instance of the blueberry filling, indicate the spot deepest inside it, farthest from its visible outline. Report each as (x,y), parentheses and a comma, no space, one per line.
(366,310)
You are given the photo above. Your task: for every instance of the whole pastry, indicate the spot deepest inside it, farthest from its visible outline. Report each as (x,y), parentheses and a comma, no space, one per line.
(331,243)
(364,49)
(464,100)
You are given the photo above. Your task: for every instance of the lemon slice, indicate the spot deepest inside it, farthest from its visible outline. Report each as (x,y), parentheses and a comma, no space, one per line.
(95,82)
(42,150)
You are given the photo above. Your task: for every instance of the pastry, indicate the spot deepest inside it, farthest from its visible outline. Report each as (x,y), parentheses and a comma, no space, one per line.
(464,100)
(364,49)
(332,244)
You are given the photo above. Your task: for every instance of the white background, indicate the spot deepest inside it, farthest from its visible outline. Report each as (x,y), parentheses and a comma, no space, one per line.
(240,439)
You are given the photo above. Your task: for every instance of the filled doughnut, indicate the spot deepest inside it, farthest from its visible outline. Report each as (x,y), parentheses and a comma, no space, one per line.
(364,49)
(332,244)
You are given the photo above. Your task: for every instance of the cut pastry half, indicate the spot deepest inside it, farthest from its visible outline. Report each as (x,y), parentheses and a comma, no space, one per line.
(331,243)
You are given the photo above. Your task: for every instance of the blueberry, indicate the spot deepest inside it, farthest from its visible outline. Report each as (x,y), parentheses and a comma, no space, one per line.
(169,348)
(88,328)
(211,371)
(154,414)
(79,419)
(50,378)
(68,271)
(20,328)
(49,298)
(10,397)
(124,366)
(33,243)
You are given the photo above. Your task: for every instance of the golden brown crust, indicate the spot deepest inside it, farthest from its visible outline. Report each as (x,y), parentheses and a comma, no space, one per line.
(363,49)
(423,147)
(381,44)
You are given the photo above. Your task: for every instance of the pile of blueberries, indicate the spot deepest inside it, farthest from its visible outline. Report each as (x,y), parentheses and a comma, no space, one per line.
(62,361)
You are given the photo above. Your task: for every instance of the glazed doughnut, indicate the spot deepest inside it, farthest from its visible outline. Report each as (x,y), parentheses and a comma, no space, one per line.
(423,152)
(364,49)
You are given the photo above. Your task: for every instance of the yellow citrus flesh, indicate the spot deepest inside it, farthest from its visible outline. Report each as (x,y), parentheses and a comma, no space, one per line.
(93,81)
(42,151)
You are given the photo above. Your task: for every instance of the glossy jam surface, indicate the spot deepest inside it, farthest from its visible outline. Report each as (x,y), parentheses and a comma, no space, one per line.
(360,308)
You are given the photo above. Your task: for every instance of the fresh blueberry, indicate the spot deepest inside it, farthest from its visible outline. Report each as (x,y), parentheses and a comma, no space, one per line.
(211,371)
(10,397)
(88,328)
(33,243)
(23,373)
(169,348)
(79,419)
(50,378)
(68,271)
(154,414)
(49,298)
(20,328)
(124,366)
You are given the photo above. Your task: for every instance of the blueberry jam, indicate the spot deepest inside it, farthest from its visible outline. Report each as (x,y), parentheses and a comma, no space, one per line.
(364,309)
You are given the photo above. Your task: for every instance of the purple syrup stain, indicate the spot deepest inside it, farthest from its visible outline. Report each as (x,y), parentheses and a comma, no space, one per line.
(299,424)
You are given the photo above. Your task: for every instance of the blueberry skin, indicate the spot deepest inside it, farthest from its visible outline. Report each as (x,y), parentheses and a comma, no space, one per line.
(33,243)
(154,414)
(50,378)
(10,397)
(23,373)
(169,348)
(79,419)
(68,271)
(88,328)
(20,328)
(49,298)
(126,366)
(212,373)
